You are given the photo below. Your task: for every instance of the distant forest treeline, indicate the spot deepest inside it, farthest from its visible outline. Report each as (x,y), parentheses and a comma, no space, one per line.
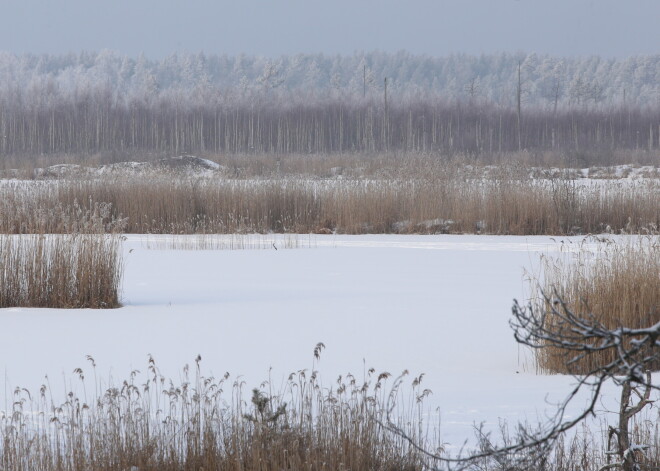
(94,102)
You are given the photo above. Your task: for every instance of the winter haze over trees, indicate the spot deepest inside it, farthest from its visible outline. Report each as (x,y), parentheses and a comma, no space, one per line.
(311,103)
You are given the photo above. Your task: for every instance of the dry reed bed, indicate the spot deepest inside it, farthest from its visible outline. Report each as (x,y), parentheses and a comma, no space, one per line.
(60,271)
(149,423)
(442,201)
(228,241)
(618,282)
(206,423)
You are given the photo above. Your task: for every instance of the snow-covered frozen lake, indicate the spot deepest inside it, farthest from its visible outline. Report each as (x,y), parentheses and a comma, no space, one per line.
(438,305)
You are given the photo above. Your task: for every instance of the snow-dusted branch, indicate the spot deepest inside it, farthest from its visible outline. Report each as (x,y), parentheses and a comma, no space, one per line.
(558,327)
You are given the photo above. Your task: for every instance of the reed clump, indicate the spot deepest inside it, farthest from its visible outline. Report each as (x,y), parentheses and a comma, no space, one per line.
(617,282)
(60,271)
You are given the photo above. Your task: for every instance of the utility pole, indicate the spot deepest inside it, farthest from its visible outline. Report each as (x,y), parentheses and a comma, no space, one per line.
(387,118)
(364,80)
(385,96)
(518,100)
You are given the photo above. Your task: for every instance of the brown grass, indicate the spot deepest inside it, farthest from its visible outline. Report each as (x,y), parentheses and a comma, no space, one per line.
(229,242)
(149,423)
(60,271)
(204,423)
(433,198)
(618,282)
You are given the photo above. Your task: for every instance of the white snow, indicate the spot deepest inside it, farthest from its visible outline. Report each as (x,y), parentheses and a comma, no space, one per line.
(438,305)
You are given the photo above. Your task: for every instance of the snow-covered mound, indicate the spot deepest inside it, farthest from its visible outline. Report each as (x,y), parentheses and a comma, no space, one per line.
(183,164)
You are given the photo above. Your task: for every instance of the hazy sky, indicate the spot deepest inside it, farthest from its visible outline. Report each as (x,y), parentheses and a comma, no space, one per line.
(611,28)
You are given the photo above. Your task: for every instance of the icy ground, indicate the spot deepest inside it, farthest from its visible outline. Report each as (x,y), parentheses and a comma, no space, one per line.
(438,305)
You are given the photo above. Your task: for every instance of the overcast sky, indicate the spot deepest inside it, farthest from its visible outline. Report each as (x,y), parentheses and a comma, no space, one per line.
(611,28)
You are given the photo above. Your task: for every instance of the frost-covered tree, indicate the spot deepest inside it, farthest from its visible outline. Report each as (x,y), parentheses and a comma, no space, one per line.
(49,102)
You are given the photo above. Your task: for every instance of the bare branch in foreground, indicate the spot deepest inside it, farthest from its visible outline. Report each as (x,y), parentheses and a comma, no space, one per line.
(560,328)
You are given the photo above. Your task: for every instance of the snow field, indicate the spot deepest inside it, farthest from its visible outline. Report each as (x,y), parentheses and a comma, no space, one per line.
(437,305)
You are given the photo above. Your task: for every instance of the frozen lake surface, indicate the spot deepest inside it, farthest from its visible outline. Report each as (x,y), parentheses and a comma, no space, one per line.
(438,305)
